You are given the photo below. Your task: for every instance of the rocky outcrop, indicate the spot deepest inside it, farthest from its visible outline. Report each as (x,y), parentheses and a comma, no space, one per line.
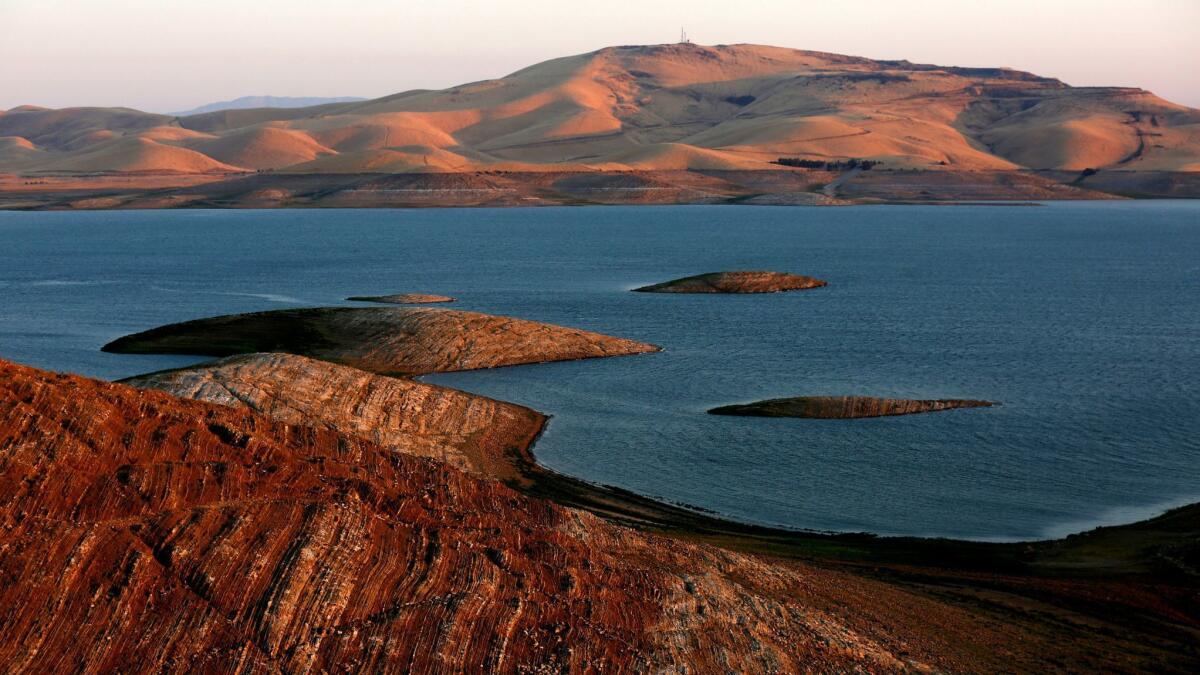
(843,407)
(472,433)
(146,532)
(388,340)
(735,282)
(402,299)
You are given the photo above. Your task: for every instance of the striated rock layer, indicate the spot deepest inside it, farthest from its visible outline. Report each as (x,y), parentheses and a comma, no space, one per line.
(735,282)
(390,340)
(402,298)
(470,432)
(843,407)
(146,532)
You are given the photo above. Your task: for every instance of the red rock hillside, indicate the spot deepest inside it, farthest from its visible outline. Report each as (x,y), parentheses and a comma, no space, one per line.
(470,432)
(146,532)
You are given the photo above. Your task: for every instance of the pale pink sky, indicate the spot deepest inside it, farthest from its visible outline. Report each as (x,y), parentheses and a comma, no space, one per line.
(165,55)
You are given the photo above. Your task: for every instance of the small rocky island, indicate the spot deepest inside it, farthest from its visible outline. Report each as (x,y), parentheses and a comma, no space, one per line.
(402,298)
(843,407)
(385,340)
(735,282)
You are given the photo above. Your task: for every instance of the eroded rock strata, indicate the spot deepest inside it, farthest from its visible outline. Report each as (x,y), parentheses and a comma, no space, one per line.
(843,407)
(402,298)
(470,432)
(148,532)
(735,282)
(390,340)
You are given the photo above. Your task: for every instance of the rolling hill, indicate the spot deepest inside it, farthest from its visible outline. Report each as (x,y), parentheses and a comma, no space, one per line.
(663,107)
(243,102)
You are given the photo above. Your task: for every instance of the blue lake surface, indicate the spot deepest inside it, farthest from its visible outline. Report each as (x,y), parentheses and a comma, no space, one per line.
(1082,319)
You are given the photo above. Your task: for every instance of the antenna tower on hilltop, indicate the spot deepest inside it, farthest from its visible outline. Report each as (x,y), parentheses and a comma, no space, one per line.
(683,38)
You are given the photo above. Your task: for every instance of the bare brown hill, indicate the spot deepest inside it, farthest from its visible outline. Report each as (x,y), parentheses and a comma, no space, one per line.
(659,107)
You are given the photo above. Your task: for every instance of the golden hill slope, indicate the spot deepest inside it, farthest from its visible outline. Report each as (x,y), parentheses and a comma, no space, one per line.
(652,107)
(261,147)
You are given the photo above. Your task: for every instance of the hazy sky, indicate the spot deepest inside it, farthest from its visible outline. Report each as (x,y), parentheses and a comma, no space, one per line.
(166,55)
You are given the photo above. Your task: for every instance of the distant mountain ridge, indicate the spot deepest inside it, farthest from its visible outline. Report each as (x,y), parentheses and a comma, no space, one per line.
(657,107)
(245,102)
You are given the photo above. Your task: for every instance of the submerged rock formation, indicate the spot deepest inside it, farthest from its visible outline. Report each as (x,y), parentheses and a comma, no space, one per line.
(389,340)
(843,407)
(470,432)
(735,282)
(402,298)
(146,532)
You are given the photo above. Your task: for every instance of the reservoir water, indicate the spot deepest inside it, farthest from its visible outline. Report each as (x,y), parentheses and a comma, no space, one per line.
(1081,319)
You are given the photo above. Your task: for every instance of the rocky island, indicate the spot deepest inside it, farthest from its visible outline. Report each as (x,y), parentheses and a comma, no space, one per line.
(735,282)
(402,299)
(843,407)
(389,340)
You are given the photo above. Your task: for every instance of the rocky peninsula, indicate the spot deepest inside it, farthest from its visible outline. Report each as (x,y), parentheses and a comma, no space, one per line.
(735,282)
(143,528)
(402,299)
(301,516)
(472,433)
(388,340)
(843,407)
